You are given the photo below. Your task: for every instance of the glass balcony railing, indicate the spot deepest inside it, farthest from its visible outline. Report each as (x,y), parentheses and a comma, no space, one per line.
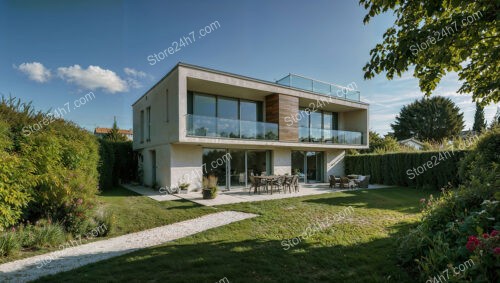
(330,136)
(320,87)
(204,126)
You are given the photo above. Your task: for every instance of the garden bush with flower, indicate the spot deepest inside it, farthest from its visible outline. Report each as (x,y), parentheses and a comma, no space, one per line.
(462,223)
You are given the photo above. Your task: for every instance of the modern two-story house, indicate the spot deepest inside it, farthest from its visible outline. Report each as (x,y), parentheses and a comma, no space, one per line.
(197,121)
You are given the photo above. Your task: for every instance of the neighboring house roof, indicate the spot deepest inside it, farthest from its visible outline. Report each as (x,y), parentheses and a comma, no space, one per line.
(411,140)
(468,133)
(107,130)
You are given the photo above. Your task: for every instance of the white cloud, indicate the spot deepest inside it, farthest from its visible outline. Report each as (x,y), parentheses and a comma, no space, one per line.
(133,83)
(134,73)
(94,77)
(35,71)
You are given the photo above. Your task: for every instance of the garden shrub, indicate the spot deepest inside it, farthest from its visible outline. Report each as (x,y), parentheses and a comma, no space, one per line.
(46,235)
(397,168)
(463,223)
(45,173)
(15,181)
(9,244)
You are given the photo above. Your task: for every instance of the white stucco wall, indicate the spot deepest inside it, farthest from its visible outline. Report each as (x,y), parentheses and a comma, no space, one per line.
(186,162)
(335,163)
(282,161)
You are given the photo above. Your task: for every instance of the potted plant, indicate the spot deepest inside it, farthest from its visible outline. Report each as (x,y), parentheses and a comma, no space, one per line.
(210,188)
(184,186)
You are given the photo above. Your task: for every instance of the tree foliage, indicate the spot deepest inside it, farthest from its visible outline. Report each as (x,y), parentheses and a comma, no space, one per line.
(114,135)
(479,122)
(431,119)
(437,37)
(380,144)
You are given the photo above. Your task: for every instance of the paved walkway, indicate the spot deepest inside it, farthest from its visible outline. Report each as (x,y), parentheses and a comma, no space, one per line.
(25,270)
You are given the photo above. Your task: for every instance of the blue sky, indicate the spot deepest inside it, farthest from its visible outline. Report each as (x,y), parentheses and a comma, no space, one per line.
(54,52)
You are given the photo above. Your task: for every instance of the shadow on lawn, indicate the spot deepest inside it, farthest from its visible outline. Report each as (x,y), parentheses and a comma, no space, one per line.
(250,261)
(378,199)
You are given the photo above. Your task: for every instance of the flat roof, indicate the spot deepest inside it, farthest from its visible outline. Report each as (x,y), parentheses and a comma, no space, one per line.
(239,77)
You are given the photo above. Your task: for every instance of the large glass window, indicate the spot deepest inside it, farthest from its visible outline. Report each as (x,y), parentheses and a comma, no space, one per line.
(204,105)
(227,112)
(148,122)
(316,126)
(303,125)
(204,110)
(227,108)
(142,126)
(250,111)
(335,121)
(213,166)
(327,125)
(298,165)
(257,162)
(238,168)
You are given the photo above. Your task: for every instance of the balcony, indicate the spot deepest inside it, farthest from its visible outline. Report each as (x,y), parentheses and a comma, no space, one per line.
(205,126)
(330,136)
(304,83)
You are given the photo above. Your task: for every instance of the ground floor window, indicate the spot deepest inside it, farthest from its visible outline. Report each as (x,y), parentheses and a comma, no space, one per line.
(238,165)
(308,165)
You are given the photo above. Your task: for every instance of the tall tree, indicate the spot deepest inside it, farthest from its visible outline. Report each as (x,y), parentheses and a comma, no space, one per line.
(429,119)
(114,134)
(496,119)
(439,36)
(479,122)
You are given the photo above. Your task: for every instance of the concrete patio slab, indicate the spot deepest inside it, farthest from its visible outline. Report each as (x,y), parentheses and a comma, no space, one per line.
(243,195)
(150,193)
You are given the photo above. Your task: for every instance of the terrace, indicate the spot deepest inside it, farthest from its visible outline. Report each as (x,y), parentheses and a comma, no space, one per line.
(301,82)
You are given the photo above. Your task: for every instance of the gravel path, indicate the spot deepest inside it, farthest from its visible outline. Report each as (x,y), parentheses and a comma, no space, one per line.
(28,269)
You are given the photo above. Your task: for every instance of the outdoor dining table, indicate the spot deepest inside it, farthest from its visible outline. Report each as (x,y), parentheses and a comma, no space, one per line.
(267,179)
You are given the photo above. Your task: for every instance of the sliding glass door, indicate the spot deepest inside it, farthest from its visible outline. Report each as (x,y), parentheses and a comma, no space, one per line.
(240,165)
(308,165)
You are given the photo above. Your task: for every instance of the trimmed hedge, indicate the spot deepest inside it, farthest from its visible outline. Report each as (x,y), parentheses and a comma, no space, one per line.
(118,163)
(431,169)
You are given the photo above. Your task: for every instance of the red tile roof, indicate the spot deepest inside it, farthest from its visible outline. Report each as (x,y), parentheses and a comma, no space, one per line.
(107,130)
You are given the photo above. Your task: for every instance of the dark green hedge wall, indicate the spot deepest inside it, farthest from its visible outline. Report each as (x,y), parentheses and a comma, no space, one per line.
(118,162)
(437,168)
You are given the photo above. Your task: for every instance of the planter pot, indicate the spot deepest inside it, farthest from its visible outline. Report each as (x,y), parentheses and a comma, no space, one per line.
(207,194)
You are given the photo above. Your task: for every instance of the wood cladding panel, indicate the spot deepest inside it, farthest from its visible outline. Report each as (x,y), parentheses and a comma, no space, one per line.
(280,109)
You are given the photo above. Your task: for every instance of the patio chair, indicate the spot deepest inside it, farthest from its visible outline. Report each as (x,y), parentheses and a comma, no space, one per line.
(344,182)
(295,182)
(362,182)
(334,181)
(288,183)
(277,182)
(256,184)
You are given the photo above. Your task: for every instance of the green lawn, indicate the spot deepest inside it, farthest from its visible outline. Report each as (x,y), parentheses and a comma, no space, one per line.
(133,213)
(359,248)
